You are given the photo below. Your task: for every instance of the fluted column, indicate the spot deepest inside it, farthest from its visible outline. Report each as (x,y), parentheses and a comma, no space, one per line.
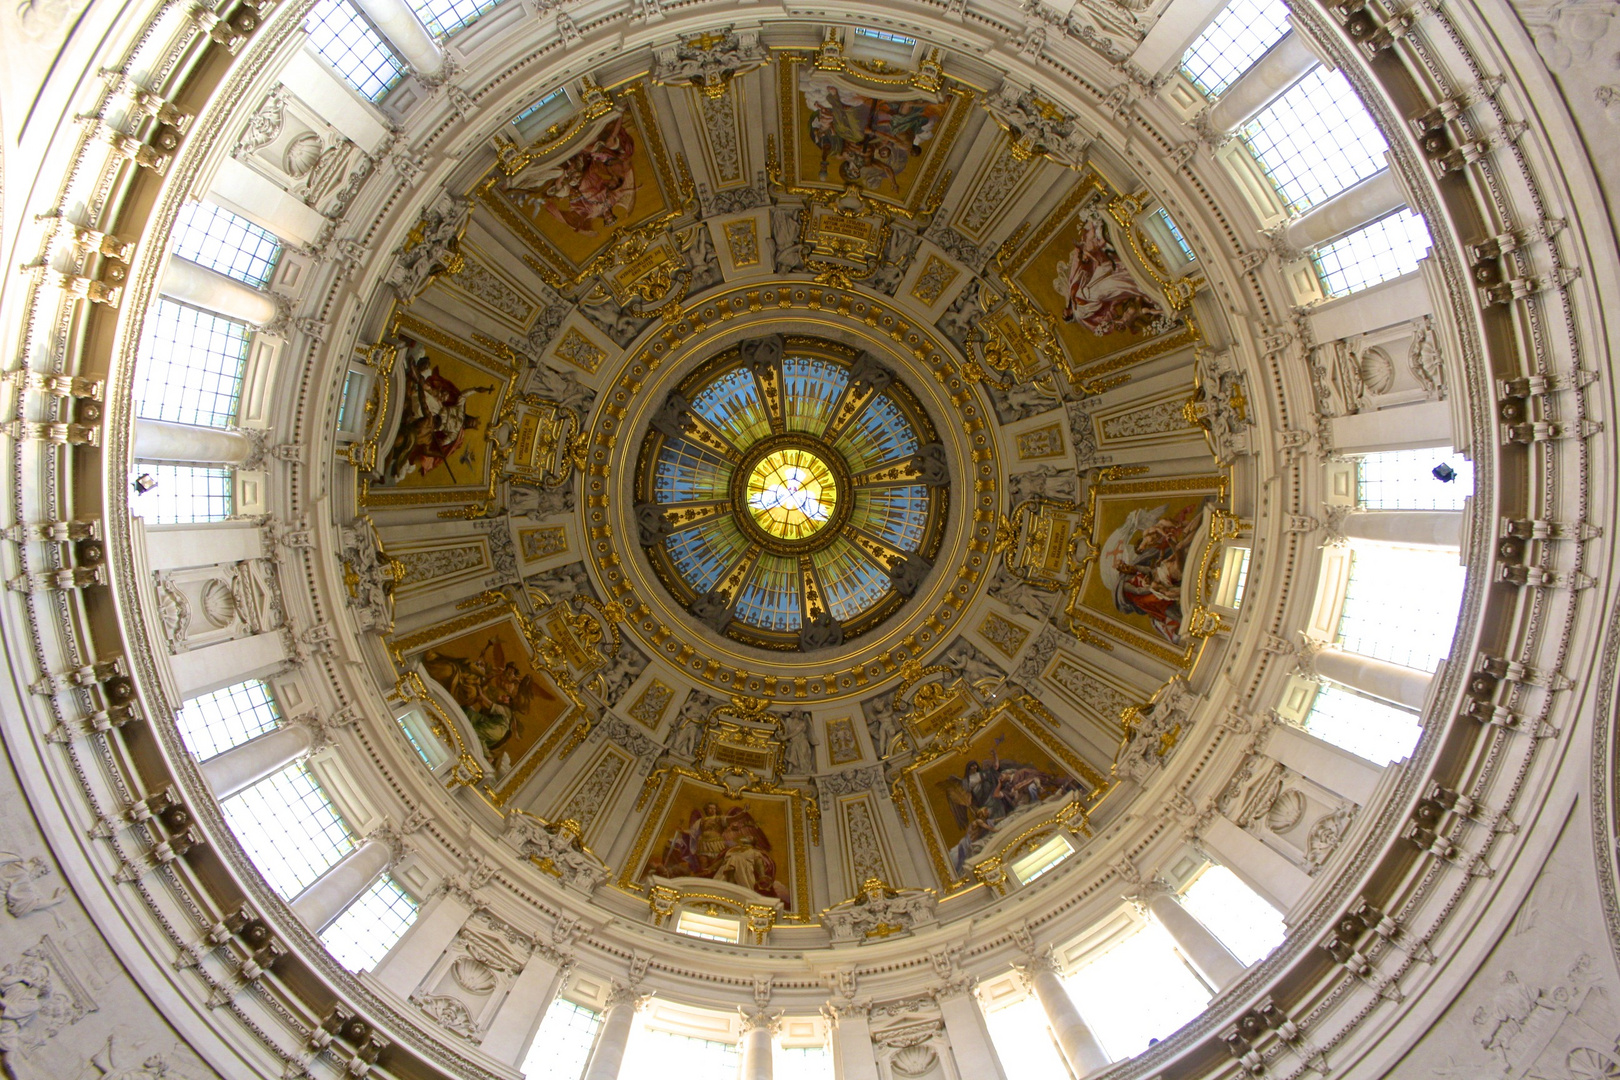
(405,32)
(414,955)
(239,768)
(210,290)
(1357,205)
(617,1022)
(1279,882)
(851,1040)
(190,444)
(519,1016)
(348,879)
(1320,761)
(1272,74)
(215,667)
(1080,1047)
(1193,938)
(758,1028)
(1413,528)
(970,1037)
(1380,678)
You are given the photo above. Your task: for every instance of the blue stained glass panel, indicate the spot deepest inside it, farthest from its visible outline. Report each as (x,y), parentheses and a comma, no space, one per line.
(731,403)
(770,597)
(812,388)
(849,580)
(704,552)
(688,472)
(881,433)
(895,515)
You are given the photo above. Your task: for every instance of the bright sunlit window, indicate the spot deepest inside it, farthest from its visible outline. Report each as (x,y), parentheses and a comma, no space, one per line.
(537,114)
(1367,727)
(709,927)
(1230,45)
(883,45)
(445,17)
(885,35)
(418,731)
(802,1063)
(562,1047)
(1024,1043)
(1405,480)
(1234,579)
(1137,991)
(1176,234)
(1316,140)
(184,494)
(1248,926)
(1388,248)
(1043,859)
(190,370)
(369,927)
(225,242)
(668,1056)
(355,50)
(1401,604)
(288,828)
(213,723)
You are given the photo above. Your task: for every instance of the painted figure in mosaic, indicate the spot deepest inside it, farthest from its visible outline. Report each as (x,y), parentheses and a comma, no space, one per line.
(589,192)
(435,423)
(865,140)
(1097,288)
(1143,562)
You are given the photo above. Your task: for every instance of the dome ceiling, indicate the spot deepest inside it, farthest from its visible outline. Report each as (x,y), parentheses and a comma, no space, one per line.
(515,290)
(871,446)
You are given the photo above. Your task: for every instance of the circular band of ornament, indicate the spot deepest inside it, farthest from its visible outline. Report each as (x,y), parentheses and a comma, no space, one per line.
(934,369)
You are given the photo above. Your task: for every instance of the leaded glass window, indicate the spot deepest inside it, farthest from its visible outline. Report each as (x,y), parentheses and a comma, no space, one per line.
(1386,249)
(190,367)
(1229,46)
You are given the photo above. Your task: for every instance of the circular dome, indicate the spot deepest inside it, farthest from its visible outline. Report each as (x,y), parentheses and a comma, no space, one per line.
(1143,368)
(790,492)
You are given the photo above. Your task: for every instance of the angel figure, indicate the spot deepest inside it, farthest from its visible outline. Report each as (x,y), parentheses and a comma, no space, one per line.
(492,690)
(1097,288)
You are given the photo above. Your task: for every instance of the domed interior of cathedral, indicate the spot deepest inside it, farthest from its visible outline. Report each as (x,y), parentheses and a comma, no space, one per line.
(972,540)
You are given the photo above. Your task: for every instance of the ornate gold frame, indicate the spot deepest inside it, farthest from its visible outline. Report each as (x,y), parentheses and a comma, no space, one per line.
(571,726)
(1026,326)
(1087,552)
(783,168)
(911,802)
(672,175)
(804,823)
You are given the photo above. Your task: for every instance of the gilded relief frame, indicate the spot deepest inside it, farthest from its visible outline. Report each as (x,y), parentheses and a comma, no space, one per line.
(1030,717)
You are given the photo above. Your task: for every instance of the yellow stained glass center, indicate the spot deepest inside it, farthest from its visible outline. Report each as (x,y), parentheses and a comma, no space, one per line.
(792,493)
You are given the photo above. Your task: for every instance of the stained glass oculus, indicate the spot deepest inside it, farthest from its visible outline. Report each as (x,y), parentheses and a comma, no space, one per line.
(791,492)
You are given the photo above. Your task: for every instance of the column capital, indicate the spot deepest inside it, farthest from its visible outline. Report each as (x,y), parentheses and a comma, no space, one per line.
(398,848)
(838,1009)
(1040,962)
(1306,652)
(769,1020)
(320,735)
(625,994)
(1144,893)
(959,985)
